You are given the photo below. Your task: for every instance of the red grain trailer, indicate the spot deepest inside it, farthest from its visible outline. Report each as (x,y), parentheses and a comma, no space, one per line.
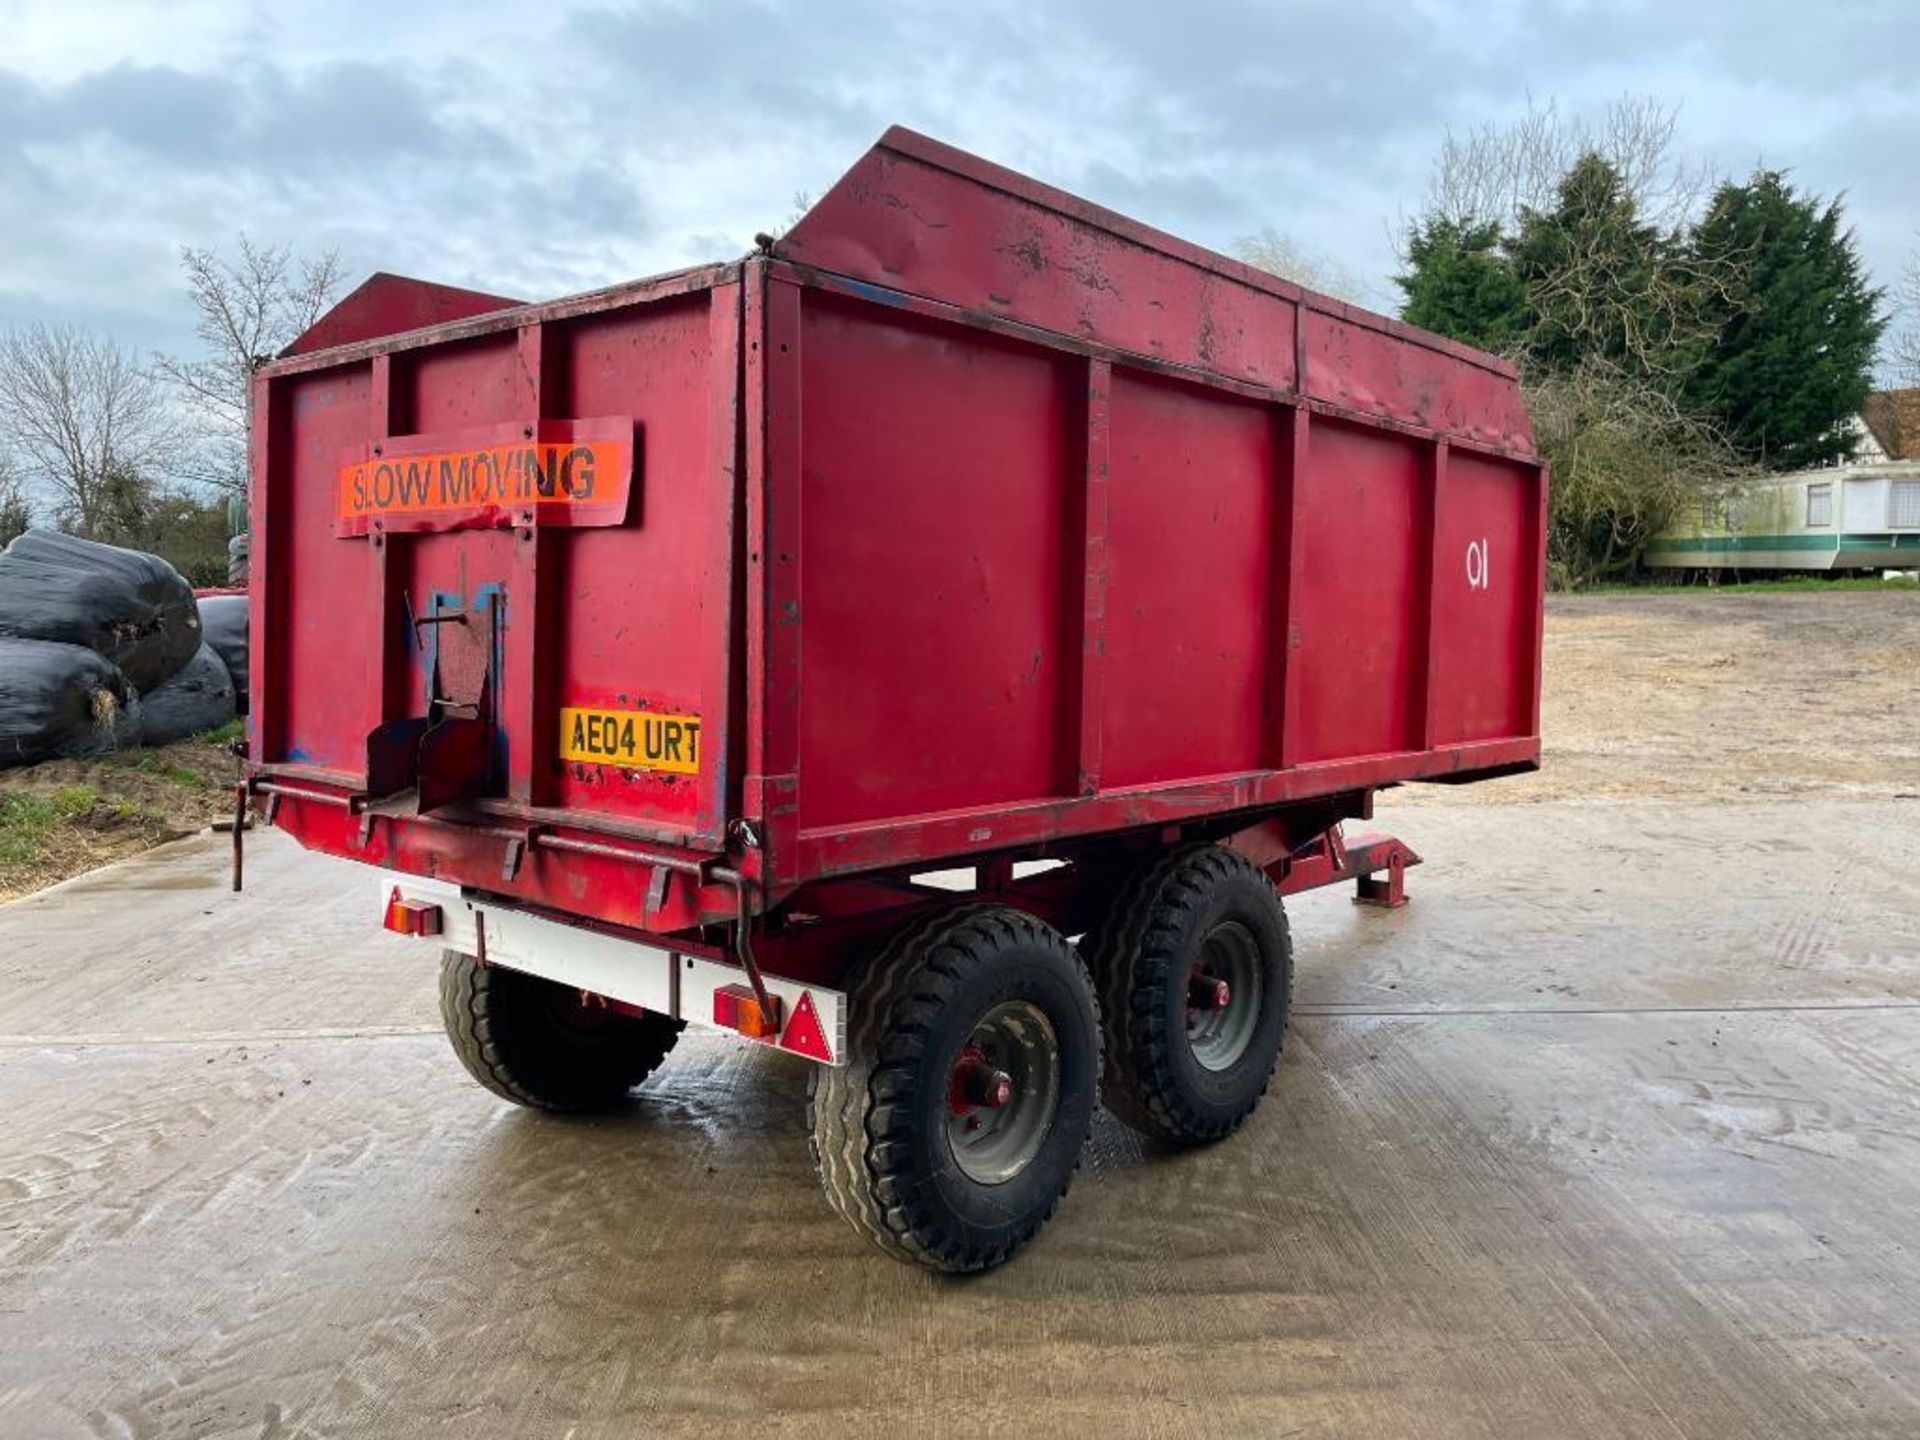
(659,641)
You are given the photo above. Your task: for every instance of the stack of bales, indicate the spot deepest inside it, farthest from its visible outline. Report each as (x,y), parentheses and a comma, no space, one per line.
(103,648)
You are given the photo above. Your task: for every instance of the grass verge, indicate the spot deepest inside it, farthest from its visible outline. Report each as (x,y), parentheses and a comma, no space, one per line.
(63,817)
(27,820)
(1783,585)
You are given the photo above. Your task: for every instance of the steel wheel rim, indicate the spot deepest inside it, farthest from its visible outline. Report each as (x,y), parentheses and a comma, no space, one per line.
(1219,1036)
(993,1144)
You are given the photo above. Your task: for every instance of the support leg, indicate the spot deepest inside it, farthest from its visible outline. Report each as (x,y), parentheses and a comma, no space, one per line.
(1389,893)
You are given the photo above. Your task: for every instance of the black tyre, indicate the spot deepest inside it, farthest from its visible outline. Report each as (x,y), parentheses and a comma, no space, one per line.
(955,1126)
(535,1043)
(1195,969)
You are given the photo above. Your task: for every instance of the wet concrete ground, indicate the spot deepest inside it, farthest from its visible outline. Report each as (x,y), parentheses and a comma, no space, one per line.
(1613,1132)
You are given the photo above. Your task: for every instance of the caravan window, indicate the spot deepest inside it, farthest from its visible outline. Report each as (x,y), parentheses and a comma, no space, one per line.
(1903,505)
(1820,504)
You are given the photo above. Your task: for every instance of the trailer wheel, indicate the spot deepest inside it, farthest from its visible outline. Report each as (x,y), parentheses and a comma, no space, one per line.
(1195,967)
(533,1042)
(955,1126)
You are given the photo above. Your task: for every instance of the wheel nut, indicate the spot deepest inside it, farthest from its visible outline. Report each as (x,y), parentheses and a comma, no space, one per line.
(1206,993)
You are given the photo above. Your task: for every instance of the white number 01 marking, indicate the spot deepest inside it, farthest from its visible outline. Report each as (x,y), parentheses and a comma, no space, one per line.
(1479,576)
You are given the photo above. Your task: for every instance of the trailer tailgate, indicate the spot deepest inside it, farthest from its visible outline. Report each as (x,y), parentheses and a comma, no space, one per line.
(493,561)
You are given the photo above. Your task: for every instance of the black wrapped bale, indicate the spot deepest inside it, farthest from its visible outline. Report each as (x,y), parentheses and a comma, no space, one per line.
(198,696)
(132,608)
(223,624)
(62,700)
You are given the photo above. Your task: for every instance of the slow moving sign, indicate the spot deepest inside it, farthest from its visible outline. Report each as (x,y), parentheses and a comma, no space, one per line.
(559,472)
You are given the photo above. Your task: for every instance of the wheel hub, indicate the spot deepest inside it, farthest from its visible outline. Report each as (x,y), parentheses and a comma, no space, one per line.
(1003,1092)
(1224,993)
(1205,992)
(978,1085)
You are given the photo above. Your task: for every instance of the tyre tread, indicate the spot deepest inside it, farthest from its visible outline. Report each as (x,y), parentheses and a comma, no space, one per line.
(476,1015)
(1131,954)
(859,1114)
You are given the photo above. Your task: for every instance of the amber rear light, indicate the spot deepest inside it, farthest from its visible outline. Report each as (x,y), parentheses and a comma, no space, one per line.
(735,1008)
(411,917)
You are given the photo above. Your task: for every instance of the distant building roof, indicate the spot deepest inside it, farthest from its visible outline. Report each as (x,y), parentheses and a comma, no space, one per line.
(1893,419)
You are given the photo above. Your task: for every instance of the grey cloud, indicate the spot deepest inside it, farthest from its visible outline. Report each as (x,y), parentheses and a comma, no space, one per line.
(1262,78)
(1782,45)
(347,111)
(254,114)
(711,245)
(1168,191)
(743,65)
(150,108)
(608,140)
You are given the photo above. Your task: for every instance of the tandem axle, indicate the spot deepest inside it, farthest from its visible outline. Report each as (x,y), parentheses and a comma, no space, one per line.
(959,1037)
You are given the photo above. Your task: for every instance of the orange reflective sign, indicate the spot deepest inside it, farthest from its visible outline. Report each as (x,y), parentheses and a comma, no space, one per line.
(571,472)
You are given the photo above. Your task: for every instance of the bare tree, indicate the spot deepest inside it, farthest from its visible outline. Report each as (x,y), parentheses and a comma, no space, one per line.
(78,410)
(1592,215)
(1279,254)
(1627,462)
(16,514)
(802,202)
(1591,220)
(249,306)
(1906,344)
(1602,280)
(1494,172)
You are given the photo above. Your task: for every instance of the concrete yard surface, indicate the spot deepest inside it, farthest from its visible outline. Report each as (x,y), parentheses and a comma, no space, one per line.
(1615,1131)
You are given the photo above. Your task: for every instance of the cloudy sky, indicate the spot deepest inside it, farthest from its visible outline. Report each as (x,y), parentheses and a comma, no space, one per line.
(538,149)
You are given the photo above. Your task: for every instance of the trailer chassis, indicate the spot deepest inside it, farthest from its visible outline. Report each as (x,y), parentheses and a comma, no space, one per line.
(812,935)
(961,1038)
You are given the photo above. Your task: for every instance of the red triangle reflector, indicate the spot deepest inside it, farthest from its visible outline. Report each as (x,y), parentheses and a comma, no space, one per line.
(803,1034)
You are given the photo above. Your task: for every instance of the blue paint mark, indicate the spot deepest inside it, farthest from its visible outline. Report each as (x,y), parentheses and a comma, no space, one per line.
(879,294)
(437,601)
(429,644)
(409,637)
(484,595)
(299,756)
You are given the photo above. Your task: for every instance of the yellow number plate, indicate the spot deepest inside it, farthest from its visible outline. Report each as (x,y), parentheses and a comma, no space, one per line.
(631,739)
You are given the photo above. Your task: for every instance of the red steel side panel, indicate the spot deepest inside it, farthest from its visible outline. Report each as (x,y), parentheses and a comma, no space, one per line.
(1359,363)
(324,618)
(922,217)
(934,612)
(1046,592)
(389,304)
(1487,600)
(895,215)
(1190,547)
(1362,517)
(902,212)
(640,628)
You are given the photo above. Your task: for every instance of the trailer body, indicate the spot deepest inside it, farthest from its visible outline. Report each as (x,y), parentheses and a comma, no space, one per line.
(971,519)
(665,634)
